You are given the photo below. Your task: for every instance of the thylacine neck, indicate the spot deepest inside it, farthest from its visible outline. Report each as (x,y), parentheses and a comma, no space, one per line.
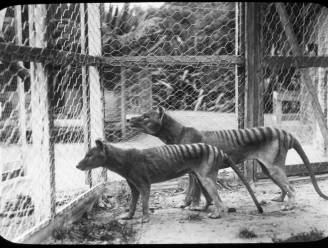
(170,131)
(116,159)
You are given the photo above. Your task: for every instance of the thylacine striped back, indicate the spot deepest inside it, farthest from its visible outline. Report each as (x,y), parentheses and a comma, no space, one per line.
(189,151)
(250,136)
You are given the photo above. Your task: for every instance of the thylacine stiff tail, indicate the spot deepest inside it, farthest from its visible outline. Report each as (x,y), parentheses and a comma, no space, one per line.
(228,160)
(298,148)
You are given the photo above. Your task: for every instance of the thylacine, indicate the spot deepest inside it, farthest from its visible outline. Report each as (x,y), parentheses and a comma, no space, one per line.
(269,146)
(141,168)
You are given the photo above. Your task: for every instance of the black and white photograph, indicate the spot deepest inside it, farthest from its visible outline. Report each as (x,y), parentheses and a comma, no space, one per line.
(164,122)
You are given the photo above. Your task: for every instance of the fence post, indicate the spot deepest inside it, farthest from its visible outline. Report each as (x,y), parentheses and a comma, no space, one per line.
(240,69)
(123,104)
(43,166)
(85,95)
(253,84)
(305,76)
(20,86)
(96,87)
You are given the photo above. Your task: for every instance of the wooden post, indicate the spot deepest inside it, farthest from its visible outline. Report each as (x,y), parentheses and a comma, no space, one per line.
(43,164)
(253,84)
(277,108)
(123,114)
(20,86)
(2,17)
(101,71)
(96,87)
(85,95)
(305,76)
(240,69)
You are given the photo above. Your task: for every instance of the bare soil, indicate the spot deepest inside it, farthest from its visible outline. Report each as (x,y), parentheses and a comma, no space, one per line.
(171,224)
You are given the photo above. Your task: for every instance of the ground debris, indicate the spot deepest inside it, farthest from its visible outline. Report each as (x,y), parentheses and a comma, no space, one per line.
(113,232)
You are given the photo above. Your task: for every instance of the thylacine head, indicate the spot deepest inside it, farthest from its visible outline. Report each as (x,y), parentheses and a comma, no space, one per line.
(158,123)
(149,122)
(96,157)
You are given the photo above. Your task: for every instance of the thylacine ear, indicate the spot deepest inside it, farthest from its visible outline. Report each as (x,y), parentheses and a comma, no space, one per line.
(99,144)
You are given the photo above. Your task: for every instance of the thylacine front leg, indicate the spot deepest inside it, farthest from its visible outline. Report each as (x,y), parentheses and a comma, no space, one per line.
(133,203)
(145,192)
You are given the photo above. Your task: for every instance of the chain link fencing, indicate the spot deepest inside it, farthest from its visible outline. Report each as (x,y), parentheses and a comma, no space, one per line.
(172,51)
(45,114)
(286,99)
(108,62)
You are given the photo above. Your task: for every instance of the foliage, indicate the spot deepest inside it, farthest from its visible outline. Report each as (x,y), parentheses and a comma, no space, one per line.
(173,30)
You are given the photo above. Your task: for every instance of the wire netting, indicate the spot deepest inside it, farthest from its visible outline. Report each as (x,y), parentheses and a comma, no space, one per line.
(44,127)
(286,98)
(182,60)
(182,56)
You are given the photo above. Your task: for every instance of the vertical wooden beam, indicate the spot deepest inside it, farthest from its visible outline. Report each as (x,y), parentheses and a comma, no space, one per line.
(85,92)
(253,88)
(43,165)
(240,69)
(2,17)
(305,76)
(123,103)
(96,87)
(20,86)
(101,71)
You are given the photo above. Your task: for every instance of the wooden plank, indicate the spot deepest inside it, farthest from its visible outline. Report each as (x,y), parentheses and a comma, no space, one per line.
(240,68)
(85,95)
(43,167)
(101,71)
(96,87)
(72,212)
(305,77)
(289,61)
(10,52)
(300,169)
(253,85)
(277,108)
(123,103)
(2,18)
(20,86)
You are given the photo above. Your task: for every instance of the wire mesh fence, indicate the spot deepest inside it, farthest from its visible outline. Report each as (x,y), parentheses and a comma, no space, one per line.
(71,73)
(285,95)
(46,114)
(172,49)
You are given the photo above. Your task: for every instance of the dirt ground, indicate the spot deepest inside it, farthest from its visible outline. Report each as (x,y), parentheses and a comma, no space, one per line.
(171,224)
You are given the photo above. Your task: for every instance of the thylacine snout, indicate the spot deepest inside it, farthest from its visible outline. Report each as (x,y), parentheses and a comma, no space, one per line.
(150,121)
(95,157)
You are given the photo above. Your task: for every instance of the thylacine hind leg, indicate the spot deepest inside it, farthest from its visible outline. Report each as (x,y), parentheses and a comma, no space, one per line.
(279,177)
(192,194)
(208,198)
(272,158)
(209,184)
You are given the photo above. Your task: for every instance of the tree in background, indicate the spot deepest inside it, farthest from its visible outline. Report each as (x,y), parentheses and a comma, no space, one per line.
(176,29)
